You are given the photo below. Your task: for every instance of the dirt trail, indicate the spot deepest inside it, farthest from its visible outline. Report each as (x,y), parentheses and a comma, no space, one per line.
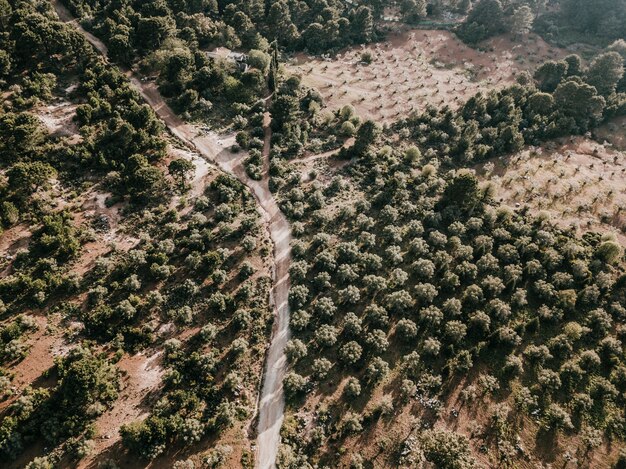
(214,148)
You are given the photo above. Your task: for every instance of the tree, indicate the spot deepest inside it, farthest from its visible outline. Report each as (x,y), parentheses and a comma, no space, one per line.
(315,38)
(376,370)
(25,178)
(295,350)
(541,103)
(321,367)
(574,65)
(259,59)
(580,102)
(347,129)
(326,335)
(245,28)
(447,450)
(413,11)
(486,19)
(366,136)
(350,353)
(455,331)
(5,64)
(284,109)
(144,182)
(557,418)
(86,380)
(21,135)
(120,48)
(362,25)
(272,78)
(281,26)
(352,388)
(406,330)
(609,252)
(298,296)
(550,74)
(605,72)
(618,46)
(294,384)
(605,18)
(152,31)
(5,13)
(351,424)
(376,341)
(522,20)
(462,190)
(180,169)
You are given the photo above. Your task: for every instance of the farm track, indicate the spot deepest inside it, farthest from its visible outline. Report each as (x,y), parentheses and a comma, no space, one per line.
(214,148)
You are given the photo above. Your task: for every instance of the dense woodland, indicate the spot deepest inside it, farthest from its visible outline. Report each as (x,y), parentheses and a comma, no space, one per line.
(408,278)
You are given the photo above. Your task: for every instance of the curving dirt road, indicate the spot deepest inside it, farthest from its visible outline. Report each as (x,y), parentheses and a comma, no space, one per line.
(214,148)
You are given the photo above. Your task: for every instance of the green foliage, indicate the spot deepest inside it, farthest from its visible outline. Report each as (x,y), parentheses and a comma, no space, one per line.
(180,169)
(605,18)
(485,19)
(605,72)
(21,135)
(503,121)
(446,450)
(86,386)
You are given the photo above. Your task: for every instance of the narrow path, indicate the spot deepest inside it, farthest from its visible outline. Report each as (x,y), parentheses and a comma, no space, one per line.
(214,148)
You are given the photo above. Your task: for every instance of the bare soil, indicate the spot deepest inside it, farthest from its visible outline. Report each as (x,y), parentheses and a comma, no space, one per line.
(58,119)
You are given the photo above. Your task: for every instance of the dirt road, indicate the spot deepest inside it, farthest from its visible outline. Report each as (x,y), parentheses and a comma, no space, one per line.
(216,149)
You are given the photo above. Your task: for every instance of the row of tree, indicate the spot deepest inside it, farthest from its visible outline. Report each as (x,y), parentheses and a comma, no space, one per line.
(424,281)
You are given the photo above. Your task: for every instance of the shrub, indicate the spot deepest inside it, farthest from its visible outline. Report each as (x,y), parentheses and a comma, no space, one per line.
(446,450)
(320,368)
(352,388)
(294,384)
(350,353)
